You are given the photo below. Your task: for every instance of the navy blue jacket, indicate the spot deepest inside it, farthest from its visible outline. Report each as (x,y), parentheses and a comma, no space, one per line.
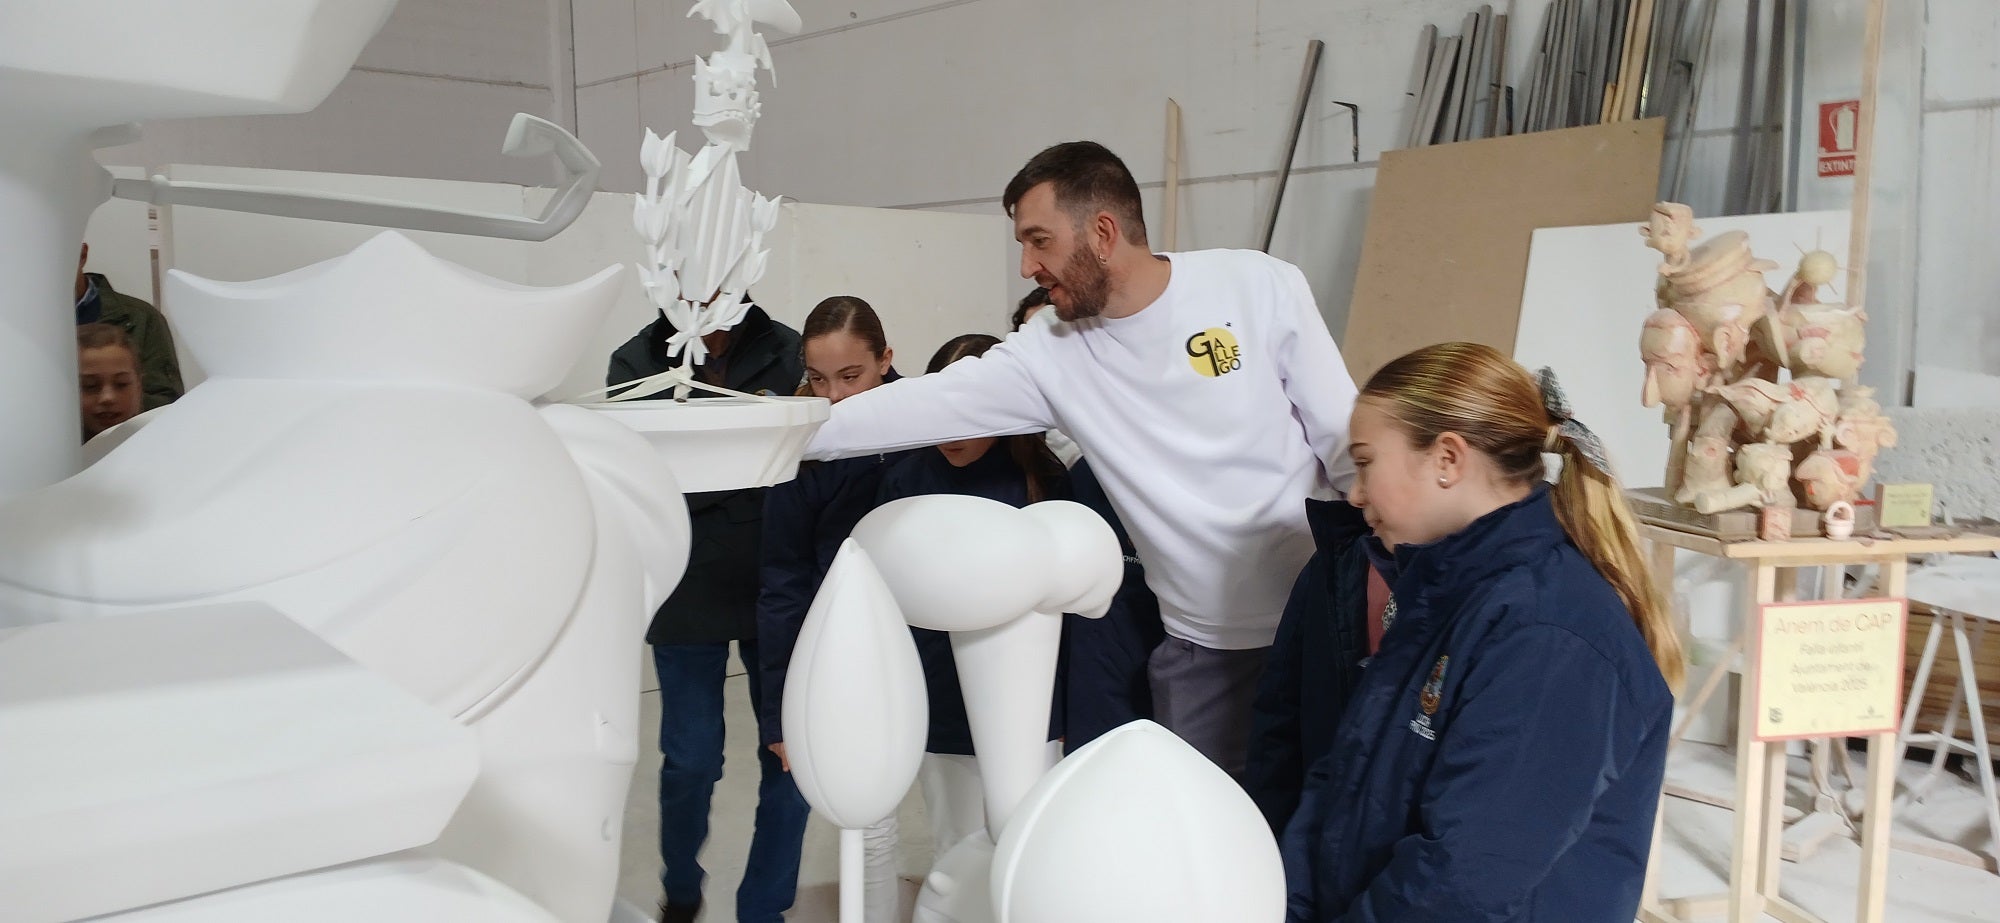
(1502,757)
(994,476)
(717,600)
(805,520)
(1314,664)
(1104,665)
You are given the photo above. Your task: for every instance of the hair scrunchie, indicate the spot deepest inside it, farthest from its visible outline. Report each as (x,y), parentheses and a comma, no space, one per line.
(1563,424)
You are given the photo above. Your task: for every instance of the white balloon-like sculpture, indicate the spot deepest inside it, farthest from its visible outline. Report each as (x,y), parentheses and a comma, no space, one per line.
(1137,826)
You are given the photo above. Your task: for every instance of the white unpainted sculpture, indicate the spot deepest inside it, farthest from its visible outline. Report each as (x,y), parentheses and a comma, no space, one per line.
(854,712)
(994,577)
(358,467)
(704,232)
(1137,827)
(58,101)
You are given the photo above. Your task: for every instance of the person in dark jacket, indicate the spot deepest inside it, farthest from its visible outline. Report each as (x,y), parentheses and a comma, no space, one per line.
(1017,471)
(1104,659)
(1315,662)
(152,340)
(716,603)
(805,520)
(1502,754)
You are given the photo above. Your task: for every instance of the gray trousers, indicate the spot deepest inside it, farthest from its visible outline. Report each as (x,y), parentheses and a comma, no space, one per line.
(1205,696)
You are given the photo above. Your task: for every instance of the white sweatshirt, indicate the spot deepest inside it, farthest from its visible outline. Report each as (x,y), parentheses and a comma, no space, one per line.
(1210,417)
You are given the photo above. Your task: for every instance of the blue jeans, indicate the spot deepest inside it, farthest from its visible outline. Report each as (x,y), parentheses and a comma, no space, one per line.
(691,729)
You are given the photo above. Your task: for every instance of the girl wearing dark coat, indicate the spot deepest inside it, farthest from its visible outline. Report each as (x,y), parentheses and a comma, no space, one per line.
(805,520)
(1501,756)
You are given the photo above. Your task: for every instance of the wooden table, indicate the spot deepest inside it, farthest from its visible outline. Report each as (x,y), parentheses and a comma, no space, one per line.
(1760,765)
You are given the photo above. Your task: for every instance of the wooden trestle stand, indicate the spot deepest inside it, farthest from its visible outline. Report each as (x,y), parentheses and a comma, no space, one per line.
(1760,764)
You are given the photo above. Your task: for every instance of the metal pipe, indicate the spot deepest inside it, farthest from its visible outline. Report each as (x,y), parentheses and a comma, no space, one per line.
(1313,50)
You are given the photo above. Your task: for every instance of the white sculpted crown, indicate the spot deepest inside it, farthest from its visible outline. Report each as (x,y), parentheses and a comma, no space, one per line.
(389,311)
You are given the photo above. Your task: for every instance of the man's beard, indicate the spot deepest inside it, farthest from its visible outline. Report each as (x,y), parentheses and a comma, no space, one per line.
(1086,285)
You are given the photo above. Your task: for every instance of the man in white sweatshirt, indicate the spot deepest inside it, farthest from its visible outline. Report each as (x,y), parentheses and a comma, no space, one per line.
(1207,394)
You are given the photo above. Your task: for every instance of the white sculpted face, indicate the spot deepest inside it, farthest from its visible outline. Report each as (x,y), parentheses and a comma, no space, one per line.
(725,98)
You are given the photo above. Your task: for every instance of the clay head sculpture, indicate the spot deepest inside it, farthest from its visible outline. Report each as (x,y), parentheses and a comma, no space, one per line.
(1768,467)
(1707,468)
(1754,401)
(1810,407)
(1721,290)
(1866,433)
(1670,230)
(1676,365)
(1825,340)
(1830,476)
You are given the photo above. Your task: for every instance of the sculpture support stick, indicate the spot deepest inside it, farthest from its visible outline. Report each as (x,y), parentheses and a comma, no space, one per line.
(1008,675)
(1864,152)
(1677,449)
(852,888)
(48,186)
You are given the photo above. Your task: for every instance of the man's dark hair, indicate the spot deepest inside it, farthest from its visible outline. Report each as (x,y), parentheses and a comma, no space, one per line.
(1088,179)
(1030,301)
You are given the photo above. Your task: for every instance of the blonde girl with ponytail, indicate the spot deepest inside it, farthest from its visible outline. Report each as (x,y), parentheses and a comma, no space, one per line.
(1502,757)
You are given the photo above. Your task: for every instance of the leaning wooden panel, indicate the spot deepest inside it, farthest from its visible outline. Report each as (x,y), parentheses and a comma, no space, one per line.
(1446,250)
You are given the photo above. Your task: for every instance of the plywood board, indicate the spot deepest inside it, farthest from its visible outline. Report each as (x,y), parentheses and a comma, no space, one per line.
(1448,231)
(1587,293)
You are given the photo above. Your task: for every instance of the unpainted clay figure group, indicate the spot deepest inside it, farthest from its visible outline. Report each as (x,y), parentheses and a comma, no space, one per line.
(1713,352)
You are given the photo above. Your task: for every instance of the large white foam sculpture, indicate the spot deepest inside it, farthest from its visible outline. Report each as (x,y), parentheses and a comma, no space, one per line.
(438,587)
(704,231)
(1138,826)
(996,578)
(854,712)
(72,74)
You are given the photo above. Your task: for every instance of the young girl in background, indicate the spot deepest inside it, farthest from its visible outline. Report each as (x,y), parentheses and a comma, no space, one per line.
(1501,756)
(1015,470)
(805,520)
(107,377)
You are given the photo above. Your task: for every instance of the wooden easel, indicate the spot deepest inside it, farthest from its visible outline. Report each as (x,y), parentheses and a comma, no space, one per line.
(1758,847)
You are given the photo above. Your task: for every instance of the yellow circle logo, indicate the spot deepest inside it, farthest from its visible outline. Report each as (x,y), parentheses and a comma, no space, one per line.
(1214,352)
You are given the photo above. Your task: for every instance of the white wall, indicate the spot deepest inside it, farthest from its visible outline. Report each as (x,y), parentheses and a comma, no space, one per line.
(1958,287)
(932,104)
(912,104)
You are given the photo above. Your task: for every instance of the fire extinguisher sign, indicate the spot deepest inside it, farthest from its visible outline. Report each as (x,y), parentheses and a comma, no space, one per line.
(1838,122)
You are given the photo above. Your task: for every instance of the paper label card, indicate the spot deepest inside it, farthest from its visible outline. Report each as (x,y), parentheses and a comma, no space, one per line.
(1829,669)
(1905,506)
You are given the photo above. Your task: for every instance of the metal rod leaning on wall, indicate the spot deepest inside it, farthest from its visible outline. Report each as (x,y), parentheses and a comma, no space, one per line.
(1170,196)
(1413,101)
(1497,78)
(1684,138)
(1313,50)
